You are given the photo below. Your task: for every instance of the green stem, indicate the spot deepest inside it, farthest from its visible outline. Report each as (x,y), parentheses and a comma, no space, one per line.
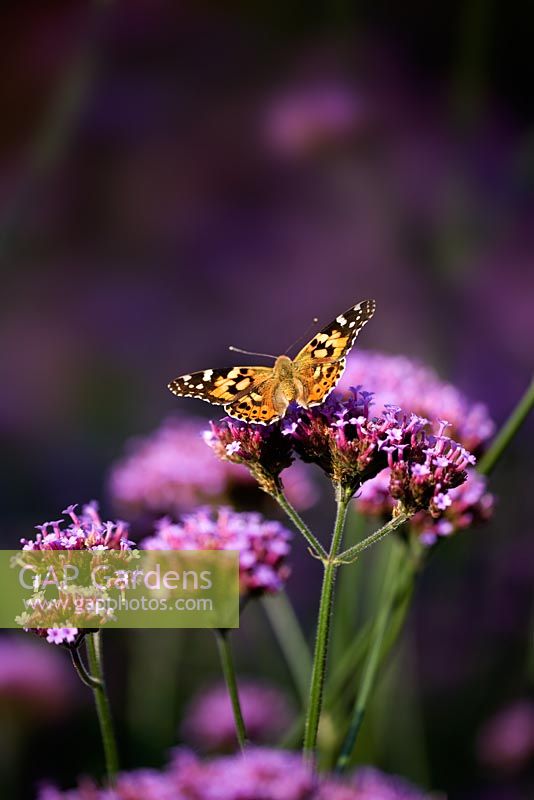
(507,432)
(228,668)
(349,555)
(372,662)
(94,654)
(299,523)
(323,629)
(291,640)
(81,669)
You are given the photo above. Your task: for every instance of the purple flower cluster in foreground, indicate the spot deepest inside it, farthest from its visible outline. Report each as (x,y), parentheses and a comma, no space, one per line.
(261,448)
(351,445)
(414,387)
(260,774)
(171,472)
(84,530)
(209,722)
(262,544)
(33,679)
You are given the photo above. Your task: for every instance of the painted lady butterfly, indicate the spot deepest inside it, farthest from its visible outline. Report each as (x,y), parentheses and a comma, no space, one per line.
(262,394)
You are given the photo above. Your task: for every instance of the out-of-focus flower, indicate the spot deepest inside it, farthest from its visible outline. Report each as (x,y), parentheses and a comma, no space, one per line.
(34,680)
(85,530)
(258,774)
(506,741)
(311,117)
(371,784)
(209,723)
(171,471)
(404,382)
(352,446)
(263,449)
(263,545)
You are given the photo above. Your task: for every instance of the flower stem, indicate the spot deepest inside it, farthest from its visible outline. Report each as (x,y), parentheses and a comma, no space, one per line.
(389,590)
(81,669)
(94,654)
(228,668)
(507,432)
(349,555)
(291,640)
(299,523)
(323,629)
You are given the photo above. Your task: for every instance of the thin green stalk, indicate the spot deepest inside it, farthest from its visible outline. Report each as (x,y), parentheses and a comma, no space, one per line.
(323,629)
(299,523)
(508,431)
(389,591)
(94,654)
(228,668)
(81,669)
(349,555)
(291,640)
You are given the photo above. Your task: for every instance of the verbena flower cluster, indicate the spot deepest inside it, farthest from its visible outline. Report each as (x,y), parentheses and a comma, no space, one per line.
(83,530)
(415,387)
(209,721)
(261,448)
(171,472)
(263,545)
(351,445)
(260,774)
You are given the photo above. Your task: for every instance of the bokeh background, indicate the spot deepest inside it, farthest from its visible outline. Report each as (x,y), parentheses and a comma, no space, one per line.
(178,177)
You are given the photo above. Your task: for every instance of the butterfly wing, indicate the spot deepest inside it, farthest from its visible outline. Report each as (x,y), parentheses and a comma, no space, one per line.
(257,404)
(221,386)
(321,362)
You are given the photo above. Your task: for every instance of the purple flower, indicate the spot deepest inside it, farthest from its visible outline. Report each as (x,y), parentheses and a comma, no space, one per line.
(209,723)
(33,679)
(506,741)
(85,530)
(263,545)
(171,471)
(311,116)
(416,388)
(353,446)
(258,774)
(263,449)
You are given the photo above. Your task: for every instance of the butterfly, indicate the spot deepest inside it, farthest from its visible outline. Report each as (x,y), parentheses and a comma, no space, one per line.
(262,394)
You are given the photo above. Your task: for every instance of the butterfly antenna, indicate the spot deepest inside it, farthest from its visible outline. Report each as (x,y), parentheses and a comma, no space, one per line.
(314,321)
(250,352)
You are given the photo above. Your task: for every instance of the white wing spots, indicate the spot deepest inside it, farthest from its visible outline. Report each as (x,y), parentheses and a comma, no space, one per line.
(341,319)
(352,324)
(186,378)
(199,386)
(207,375)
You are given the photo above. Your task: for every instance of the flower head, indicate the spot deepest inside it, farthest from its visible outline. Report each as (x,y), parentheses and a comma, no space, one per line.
(171,471)
(417,388)
(209,723)
(263,545)
(263,449)
(506,741)
(80,530)
(258,774)
(352,446)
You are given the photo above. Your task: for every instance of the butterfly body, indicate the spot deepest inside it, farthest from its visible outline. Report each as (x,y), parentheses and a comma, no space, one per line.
(262,394)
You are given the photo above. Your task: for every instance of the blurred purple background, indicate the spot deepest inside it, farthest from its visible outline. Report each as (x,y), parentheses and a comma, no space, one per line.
(175,178)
